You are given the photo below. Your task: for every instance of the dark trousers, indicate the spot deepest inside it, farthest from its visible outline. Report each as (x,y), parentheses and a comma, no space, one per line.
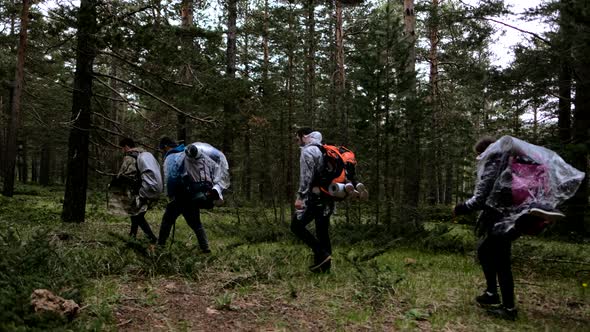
(139,221)
(192,216)
(320,212)
(494,254)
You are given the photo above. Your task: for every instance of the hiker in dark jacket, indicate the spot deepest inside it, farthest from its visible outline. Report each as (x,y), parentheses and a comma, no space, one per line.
(310,204)
(146,187)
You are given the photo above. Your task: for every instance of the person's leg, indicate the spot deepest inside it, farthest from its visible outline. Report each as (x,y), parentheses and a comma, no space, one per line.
(485,255)
(192,215)
(322,226)
(134,226)
(299,224)
(172,212)
(140,221)
(504,270)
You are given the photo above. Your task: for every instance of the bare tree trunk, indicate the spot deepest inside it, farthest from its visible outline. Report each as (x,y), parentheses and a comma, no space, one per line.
(23,167)
(247,174)
(45,165)
(564,118)
(15,113)
(412,165)
(77,174)
(186,17)
(310,64)
(434,164)
(339,79)
(34,169)
(230,106)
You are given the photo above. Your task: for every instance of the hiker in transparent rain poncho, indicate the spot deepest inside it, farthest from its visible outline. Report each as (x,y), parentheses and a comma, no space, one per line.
(519,186)
(195,177)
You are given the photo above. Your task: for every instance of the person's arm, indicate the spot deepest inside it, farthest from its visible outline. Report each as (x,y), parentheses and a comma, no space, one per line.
(484,186)
(307,164)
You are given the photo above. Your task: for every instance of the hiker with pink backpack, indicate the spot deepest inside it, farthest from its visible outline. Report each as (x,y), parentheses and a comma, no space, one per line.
(519,186)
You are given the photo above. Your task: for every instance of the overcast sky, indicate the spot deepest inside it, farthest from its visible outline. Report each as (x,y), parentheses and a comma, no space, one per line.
(508,37)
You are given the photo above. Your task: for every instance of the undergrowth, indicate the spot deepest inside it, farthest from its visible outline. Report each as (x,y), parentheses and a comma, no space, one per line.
(87,262)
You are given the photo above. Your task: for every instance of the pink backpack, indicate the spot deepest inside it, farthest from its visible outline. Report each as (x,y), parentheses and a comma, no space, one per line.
(530,180)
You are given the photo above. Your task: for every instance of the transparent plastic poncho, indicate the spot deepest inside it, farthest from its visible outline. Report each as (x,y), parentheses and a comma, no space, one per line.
(524,175)
(205,157)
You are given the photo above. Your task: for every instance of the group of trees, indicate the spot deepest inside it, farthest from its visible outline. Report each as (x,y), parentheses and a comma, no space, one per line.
(408,85)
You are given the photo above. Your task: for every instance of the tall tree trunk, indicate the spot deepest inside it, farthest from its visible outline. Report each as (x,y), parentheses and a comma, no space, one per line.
(578,11)
(34,170)
(310,64)
(45,165)
(434,164)
(339,79)
(77,174)
(15,112)
(186,21)
(247,174)
(564,117)
(265,171)
(23,167)
(412,154)
(230,105)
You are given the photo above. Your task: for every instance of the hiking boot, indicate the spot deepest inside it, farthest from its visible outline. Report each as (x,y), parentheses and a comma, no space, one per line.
(504,313)
(545,214)
(321,264)
(488,298)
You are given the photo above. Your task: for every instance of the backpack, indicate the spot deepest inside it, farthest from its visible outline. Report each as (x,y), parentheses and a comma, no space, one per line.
(204,166)
(149,175)
(530,180)
(339,167)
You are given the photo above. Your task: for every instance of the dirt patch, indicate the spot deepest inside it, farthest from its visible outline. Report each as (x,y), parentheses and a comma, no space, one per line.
(177,304)
(171,304)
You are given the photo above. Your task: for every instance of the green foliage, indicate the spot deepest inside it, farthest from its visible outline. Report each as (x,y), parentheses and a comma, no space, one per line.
(27,264)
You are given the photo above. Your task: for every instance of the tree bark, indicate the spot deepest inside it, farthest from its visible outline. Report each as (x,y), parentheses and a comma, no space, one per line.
(230,105)
(45,165)
(577,10)
(74,206)
(15,112)
(564,117)
(412,172)
(186,21)
(339,79)
(310,64)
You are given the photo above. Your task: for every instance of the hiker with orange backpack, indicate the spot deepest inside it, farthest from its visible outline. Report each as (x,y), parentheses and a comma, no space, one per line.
(519,186)
(322,167)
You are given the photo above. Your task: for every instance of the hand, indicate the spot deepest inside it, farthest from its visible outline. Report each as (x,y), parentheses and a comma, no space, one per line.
(460,209)
(213,195)
(298,204)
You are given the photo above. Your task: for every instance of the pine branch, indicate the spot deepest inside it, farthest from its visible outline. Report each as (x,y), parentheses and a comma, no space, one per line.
(124,99)
(546,41)
(122,58)
(176,109)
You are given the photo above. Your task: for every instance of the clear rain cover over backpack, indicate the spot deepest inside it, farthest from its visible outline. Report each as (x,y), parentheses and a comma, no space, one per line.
(528,174)
(215,163)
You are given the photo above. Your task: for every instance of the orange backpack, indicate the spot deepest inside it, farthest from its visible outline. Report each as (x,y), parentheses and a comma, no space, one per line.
(339,165)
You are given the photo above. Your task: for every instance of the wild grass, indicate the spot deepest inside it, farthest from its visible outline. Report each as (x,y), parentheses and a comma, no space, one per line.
(257,276)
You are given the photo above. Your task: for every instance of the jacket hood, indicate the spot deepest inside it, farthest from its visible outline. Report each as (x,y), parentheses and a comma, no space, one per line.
(315,137)
(177,149)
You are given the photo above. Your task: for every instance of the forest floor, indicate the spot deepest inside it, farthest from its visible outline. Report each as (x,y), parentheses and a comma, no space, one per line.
(256,278)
